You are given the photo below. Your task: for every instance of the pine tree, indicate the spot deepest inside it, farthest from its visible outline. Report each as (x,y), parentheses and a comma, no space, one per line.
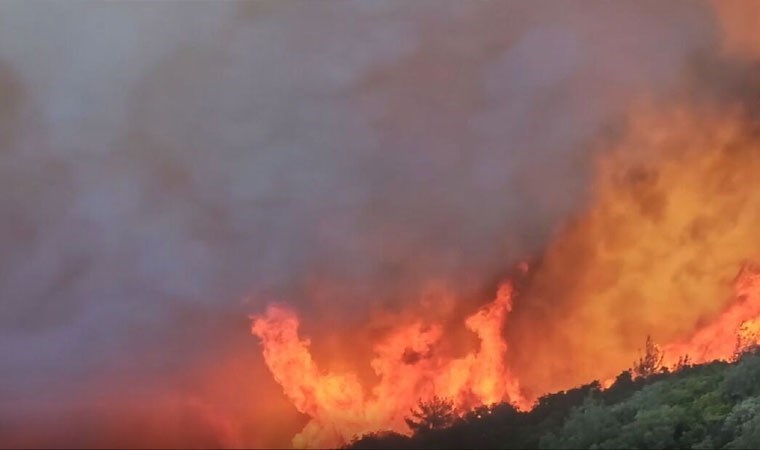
(651,362)
(434,414)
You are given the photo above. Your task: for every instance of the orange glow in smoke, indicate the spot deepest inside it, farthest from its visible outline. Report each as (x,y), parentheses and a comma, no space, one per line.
(737,328)
(672,219)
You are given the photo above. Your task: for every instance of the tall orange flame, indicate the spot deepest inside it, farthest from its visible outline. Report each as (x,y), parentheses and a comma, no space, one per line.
(408,367)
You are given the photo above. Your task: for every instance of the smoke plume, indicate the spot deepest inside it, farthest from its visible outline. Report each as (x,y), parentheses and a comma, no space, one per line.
(168,168)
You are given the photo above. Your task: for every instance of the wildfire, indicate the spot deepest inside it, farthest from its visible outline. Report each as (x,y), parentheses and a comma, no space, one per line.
(672,219)
(408,365)
(737,328)
(409,368)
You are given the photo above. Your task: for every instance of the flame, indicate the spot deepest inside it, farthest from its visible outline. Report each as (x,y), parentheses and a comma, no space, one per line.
(671,220)
(408,365)
(737,328)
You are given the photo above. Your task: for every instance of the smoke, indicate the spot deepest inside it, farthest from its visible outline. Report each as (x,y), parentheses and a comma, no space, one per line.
(167,168)
(739,23)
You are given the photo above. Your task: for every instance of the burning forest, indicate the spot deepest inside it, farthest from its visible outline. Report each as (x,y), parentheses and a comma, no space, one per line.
(323,224)
(674,203)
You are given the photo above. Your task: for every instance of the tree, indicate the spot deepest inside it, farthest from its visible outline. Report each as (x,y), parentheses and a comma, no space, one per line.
(743,379)
(434,414)
(683,362)
(747,339)
(382,440)
(622,388)
(651,362)
(714,405)
(587,425)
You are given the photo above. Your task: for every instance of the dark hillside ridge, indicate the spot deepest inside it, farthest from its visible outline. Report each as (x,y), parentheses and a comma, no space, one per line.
(715,405)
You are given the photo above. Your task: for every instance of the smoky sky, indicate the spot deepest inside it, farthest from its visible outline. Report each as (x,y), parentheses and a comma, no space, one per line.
(167,168)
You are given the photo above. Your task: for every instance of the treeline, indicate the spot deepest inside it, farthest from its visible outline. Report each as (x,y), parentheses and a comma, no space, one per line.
(714,405)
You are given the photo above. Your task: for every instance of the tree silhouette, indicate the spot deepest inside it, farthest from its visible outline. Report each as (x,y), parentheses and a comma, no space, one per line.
(683,362)
(747,338)
(434,414)
(651,362)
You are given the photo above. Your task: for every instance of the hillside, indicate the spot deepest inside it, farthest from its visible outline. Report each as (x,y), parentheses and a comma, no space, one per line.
(714,405)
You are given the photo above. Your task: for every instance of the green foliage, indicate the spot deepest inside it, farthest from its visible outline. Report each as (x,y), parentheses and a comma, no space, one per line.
(742,425)
(676,412)
(588,424)
(714,405)
(743,380)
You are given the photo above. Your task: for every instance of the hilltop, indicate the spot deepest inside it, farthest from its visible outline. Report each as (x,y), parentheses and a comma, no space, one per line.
(714,405)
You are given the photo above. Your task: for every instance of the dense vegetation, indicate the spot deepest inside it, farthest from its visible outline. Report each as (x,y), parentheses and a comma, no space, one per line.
(714,405)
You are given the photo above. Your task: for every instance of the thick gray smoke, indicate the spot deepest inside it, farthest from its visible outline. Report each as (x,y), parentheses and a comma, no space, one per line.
(162,162)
